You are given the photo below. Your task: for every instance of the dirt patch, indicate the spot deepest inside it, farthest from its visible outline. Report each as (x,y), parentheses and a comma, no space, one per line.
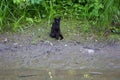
(59,55)
(69,60)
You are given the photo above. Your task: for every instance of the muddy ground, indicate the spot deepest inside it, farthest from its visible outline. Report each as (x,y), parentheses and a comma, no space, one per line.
(99,58)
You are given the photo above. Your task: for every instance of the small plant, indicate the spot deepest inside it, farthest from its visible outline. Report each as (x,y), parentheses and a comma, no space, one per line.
(99,13)
(3,13)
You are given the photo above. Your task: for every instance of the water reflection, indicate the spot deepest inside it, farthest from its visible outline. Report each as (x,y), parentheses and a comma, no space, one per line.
(30,74)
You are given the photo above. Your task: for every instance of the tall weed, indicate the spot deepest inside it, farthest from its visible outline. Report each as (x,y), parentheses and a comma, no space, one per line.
(3,14)
(96,12)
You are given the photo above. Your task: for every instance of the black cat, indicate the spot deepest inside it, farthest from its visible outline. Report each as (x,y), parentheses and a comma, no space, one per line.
(55,29)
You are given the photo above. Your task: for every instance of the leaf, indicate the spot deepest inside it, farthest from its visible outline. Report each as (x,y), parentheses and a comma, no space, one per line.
(29,20)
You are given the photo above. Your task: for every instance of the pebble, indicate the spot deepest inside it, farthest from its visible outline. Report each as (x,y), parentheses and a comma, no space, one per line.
(66,45)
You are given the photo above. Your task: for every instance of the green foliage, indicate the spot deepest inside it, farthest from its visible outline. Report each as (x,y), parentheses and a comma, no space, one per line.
(3,13)
(100,13)
(107,11)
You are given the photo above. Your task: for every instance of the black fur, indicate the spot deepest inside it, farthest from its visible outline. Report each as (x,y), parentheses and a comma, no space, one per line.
(55,29)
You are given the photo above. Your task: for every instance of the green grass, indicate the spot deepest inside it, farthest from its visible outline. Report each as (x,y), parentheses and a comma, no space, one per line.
(15,13)
(72,30)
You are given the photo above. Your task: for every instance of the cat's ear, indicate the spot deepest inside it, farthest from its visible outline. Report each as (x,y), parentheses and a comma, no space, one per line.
(59,18)
(54,18)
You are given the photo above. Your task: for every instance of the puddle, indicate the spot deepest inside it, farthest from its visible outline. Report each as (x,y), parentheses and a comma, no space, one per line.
(29,74)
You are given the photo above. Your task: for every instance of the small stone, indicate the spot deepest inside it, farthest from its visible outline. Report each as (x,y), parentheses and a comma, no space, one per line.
(96,73)
(48,42)
(83,67)
(15,44)
(20,45)
(90,51)
(51,44)
(5,40)
(66,45)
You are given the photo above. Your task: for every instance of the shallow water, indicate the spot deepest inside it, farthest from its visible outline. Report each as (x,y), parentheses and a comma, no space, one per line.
(60,61)
(29,74)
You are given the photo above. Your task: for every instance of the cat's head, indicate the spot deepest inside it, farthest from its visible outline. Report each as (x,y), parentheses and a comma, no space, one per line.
(57,20)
